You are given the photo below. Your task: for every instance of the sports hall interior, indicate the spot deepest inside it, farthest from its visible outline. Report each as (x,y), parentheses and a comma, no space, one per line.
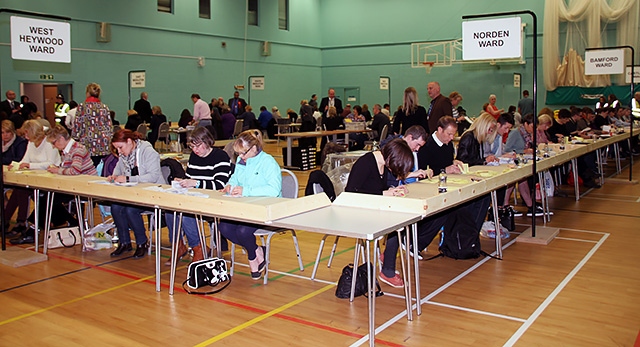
(579,290)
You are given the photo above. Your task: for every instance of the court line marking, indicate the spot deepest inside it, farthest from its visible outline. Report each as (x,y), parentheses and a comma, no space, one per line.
(574,239)
(516,336)
(427,298)
(263,316)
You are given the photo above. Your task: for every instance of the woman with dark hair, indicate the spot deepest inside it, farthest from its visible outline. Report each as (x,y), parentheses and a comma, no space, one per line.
(138,162)
(208,168)
(185,119)
(257,174)
(368,176)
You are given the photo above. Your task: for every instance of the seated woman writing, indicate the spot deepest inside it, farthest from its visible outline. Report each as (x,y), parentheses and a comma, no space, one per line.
(208,168)
(368,176)
(256,174)
(137,162)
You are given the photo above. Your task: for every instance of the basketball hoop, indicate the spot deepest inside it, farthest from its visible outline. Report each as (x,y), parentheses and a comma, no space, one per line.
(428,65)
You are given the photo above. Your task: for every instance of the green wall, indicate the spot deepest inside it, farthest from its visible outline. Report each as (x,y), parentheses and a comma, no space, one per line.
(331,43)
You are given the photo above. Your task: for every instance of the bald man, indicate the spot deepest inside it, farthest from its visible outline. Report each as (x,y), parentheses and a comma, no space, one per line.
(440,106)
(143,107)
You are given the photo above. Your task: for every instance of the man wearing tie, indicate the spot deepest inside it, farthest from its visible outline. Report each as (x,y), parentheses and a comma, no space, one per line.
(328,102)
(440,105)
(10,106)
(237,104)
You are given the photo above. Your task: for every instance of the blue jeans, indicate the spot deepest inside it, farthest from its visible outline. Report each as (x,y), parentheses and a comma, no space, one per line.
(240,234)
(204,122)
(189,226)
(125,217)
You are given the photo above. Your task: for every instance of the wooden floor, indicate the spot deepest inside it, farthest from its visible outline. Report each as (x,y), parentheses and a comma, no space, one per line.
(583,289)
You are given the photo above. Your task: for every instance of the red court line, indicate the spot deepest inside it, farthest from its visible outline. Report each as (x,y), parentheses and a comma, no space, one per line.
(234,304)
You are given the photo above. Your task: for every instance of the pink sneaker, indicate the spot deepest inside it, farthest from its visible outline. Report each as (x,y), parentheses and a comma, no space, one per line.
(395,281)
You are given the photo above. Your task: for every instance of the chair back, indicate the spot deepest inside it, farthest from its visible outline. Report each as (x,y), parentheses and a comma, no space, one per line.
(143,129)
(319,125)
(237,129)
(163,131)
(289,184)
(319,182)
(384,132)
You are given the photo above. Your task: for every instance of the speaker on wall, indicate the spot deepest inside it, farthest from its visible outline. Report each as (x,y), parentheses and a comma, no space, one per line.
(103,32)
(265,48)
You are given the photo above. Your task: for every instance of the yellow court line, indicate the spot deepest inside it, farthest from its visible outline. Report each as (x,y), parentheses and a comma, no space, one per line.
(264,316)
(33,313)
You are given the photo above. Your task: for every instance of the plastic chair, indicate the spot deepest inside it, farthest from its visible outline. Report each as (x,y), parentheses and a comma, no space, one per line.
(143,129)
(237,129)
(163,135)
(384,132)
(289,190)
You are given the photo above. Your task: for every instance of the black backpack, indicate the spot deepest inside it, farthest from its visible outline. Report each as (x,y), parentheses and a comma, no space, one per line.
(175,169)
(461,240)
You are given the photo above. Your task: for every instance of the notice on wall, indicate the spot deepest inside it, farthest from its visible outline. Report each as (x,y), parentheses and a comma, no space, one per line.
(492,39)
(384,83)
(40,40)
(636,74)
(604,62)
(257,83)
(138,79)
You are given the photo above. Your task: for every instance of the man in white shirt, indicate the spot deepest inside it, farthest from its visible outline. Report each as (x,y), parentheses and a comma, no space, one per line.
(201,112)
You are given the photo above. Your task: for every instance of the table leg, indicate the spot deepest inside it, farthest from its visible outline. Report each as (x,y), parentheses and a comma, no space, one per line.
(157,213)
(36,213)
(616,152)
(372,295)
(406,272)
(496,221)
(355,269)
(81,224)
(174,249)
(289,145)
(576,189)
(47,223)
(416,269)
(543,195)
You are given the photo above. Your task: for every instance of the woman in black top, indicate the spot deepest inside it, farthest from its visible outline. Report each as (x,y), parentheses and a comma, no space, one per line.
(368,176)
(410,114)
(471,146)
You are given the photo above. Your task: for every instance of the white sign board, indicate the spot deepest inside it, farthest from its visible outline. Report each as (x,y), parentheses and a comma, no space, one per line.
(604,62)
(257,83)
(40,40)
(492,39)
(516,80)
(138,79)
(384,83)
(636,74)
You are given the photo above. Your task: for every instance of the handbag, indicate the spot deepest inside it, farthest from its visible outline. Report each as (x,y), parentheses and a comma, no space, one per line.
(208,272)
(343,289)
(64,237)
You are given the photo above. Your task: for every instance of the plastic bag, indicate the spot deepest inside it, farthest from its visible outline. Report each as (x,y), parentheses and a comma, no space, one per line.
(97,237)
(489,231)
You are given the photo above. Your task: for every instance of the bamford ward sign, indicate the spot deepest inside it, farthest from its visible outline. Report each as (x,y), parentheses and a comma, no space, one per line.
(40,40)
(492,39)
(604,62)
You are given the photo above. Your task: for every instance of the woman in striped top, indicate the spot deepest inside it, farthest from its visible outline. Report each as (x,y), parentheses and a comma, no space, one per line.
(75,157)
(208,168)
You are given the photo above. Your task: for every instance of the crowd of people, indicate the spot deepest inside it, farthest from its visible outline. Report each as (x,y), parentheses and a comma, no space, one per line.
(420,143)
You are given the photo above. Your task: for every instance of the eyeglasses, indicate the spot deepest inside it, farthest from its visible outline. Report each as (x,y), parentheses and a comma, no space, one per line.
(245,152)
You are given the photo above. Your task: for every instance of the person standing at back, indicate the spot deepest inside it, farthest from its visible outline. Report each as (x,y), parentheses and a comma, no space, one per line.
(201,112)
(411,113)
(92,126)
(525,105)
(330,101)
(143,107)
(440,106)
(237,104)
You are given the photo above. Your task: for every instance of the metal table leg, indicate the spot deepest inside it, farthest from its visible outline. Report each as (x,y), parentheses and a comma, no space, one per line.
(496,222)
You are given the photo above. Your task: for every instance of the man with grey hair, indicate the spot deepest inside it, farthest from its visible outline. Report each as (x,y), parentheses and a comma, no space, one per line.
(440,106)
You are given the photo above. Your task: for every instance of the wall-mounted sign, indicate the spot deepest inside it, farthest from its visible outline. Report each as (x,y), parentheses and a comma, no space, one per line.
(40,40)
(46,77)
(636,74)
(257,83)
(492,39)
(384,83)
(138,79)
(604,62)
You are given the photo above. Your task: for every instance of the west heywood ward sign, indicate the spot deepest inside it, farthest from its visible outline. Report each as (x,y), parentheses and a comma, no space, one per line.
(491,39)
(40,40)
(604,62)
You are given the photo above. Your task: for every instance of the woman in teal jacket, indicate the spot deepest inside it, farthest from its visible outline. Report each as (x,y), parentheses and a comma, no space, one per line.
(256,174)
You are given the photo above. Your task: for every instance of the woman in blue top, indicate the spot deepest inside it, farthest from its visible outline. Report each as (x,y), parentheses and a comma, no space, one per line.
(256,174)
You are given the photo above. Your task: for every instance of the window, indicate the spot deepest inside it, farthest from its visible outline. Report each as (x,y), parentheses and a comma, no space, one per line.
(283,14)
(165,6)
(252,14)
(204,9)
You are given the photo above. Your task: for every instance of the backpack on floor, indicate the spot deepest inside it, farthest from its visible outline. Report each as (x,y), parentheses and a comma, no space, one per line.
(461,240)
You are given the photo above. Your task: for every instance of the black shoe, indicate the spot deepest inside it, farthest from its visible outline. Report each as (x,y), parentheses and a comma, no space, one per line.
(23,240)
(19,229)
(121,249)
(141,250)
(591,184)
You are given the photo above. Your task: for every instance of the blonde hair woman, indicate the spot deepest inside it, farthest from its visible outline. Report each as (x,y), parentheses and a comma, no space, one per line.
(411,113)
(92,126)
(256,174)
(470,148)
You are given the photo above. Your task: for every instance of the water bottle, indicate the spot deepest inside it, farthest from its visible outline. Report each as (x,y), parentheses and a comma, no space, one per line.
(442,183)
